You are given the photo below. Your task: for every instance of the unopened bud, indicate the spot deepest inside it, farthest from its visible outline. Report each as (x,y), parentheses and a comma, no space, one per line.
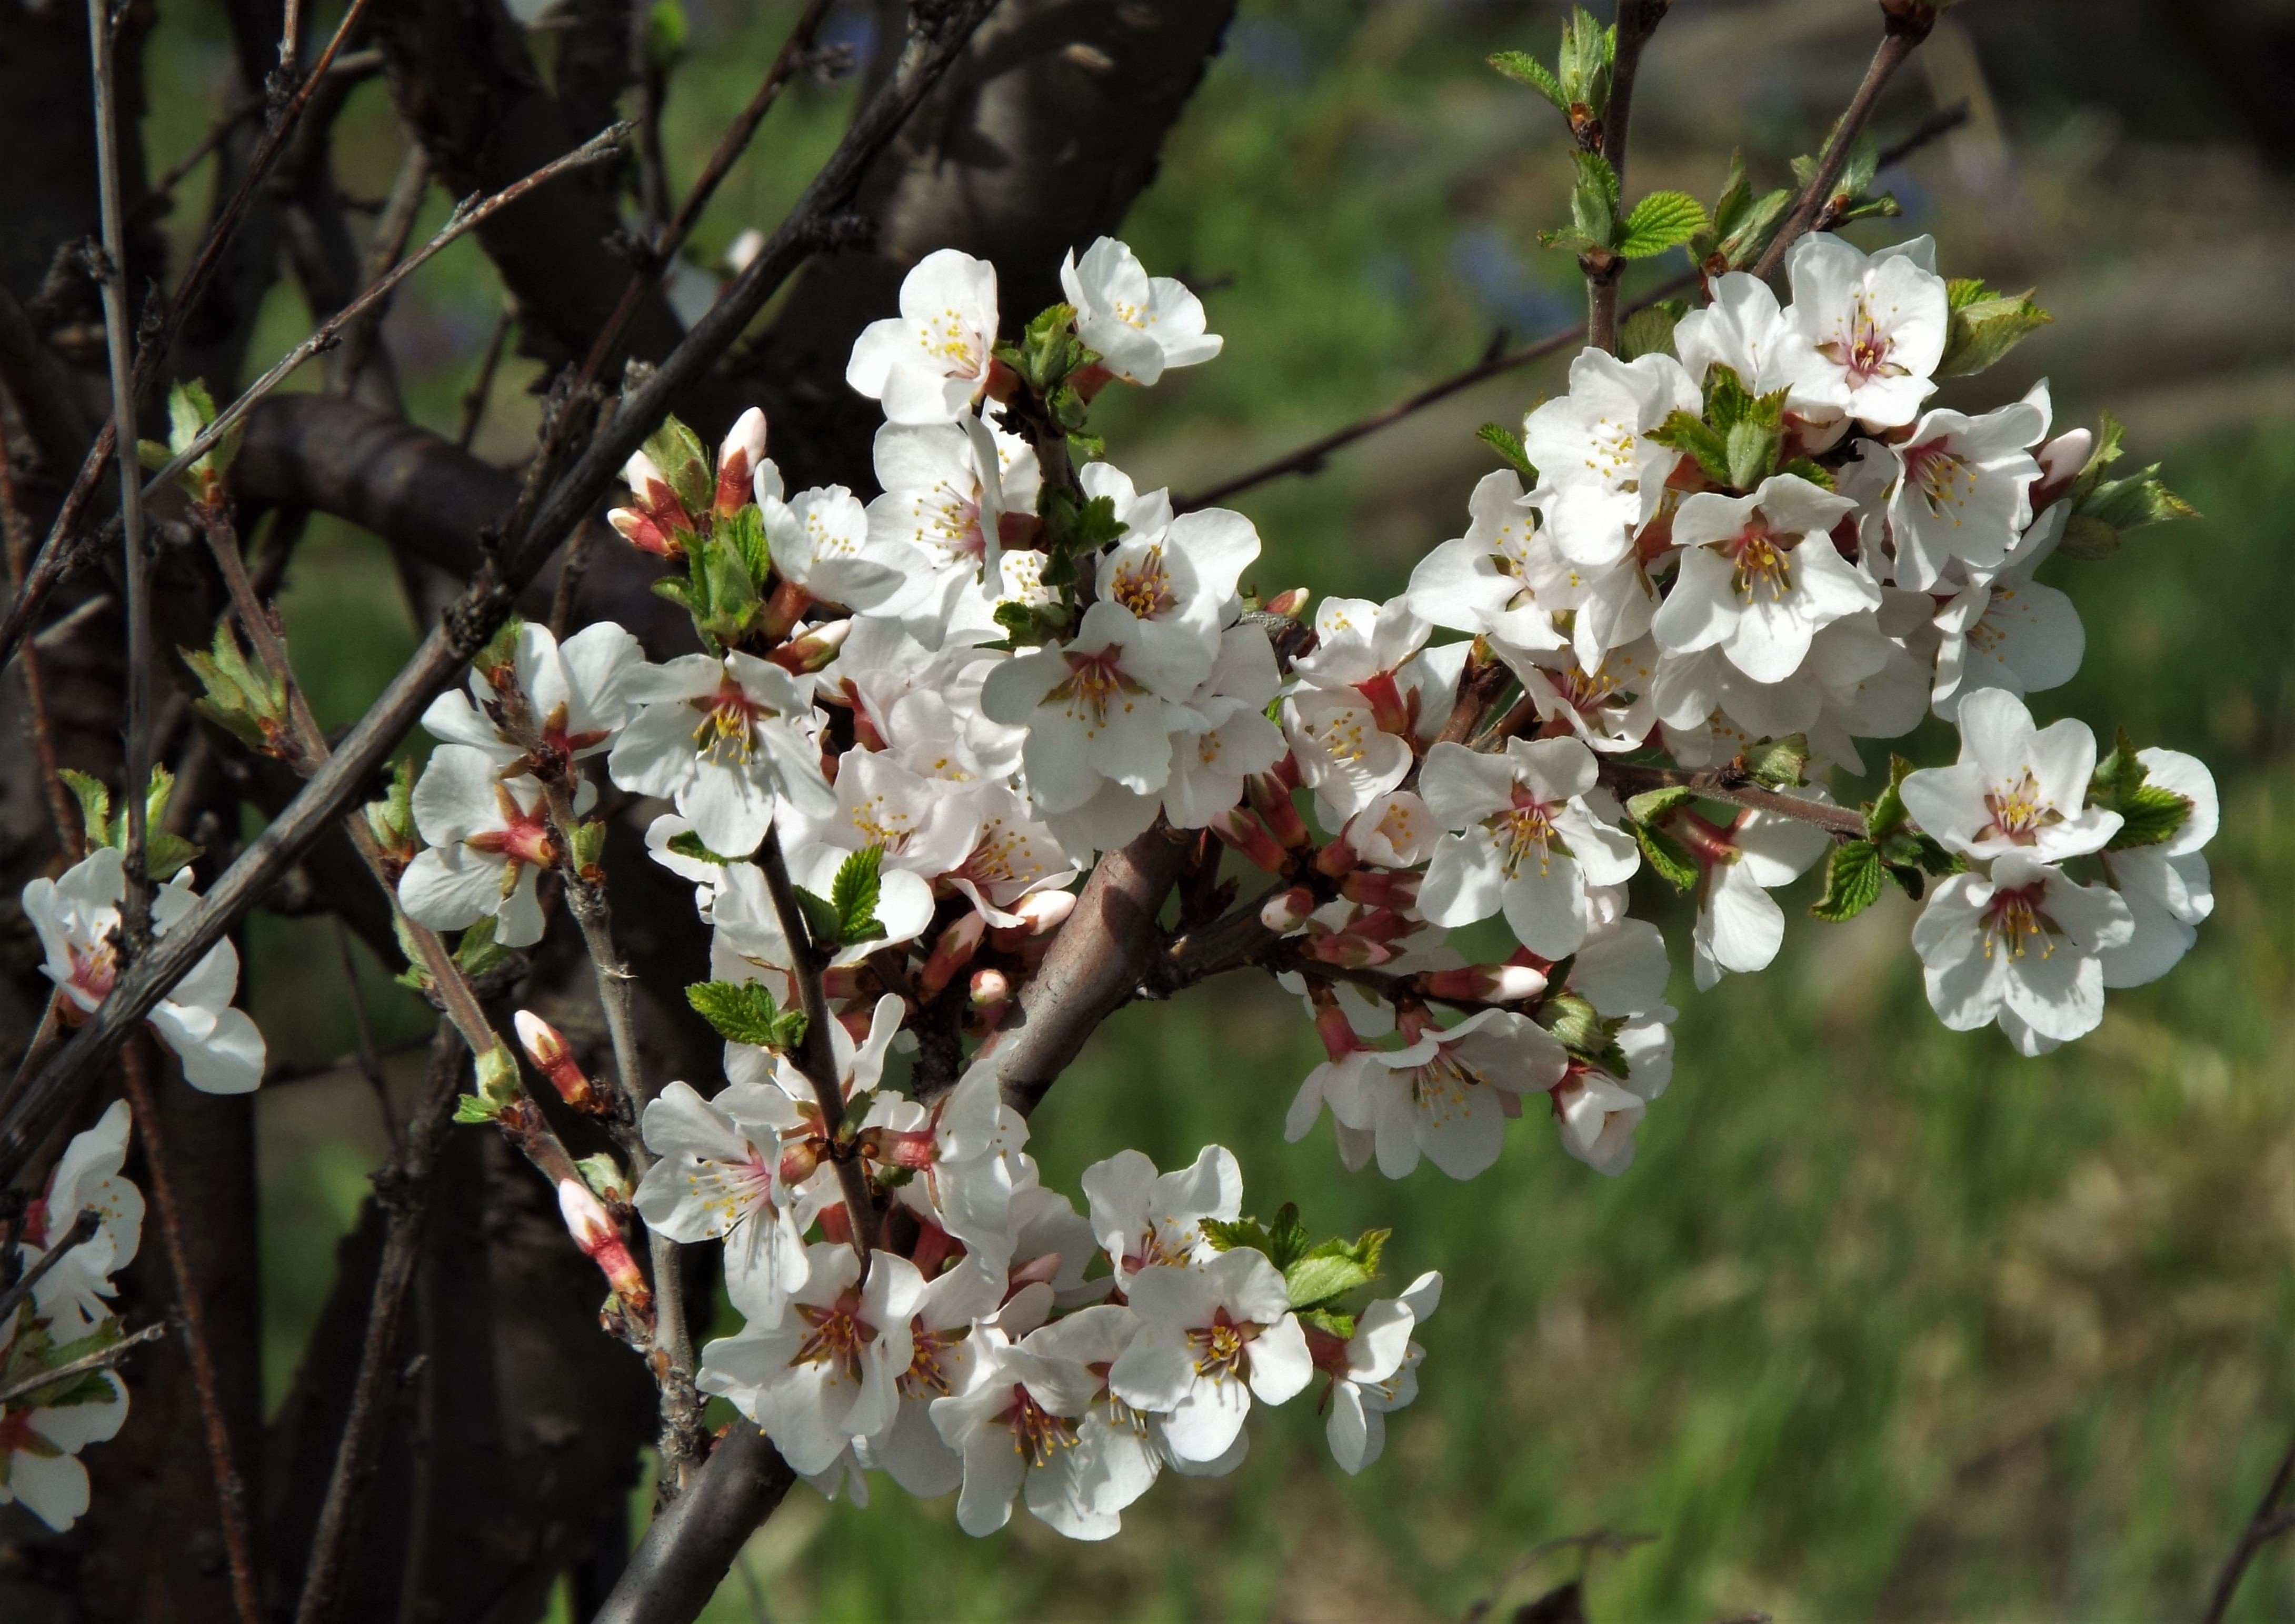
(1339,857)
(952,953)
(1388,708)
(1270,798)
(600,1241)
(742,450)
(1379,888)
(814,650)
(1484,984)
(1339,1040)
(1284,913)
(1347,950)
(990,987)
(639,530)
(840,982)
(1247,835)
(547,1047)
(1288,603)
(1045,910)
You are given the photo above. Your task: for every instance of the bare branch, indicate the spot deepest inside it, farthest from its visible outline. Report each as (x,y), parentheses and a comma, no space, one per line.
(1636,21)
(1904,23)
(402,1189)
(82,1227)
(2270,1521)
(474,398)
(70,831)
(392,229)
(692,1543)
(231,1490)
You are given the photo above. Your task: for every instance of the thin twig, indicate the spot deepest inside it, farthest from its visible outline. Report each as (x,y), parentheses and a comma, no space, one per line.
(103,1359)
(1904,23)
(933,45)
(69,827)
(137,908)
(2268,1524)
(471,213)
(401,1191)
(1636,21)
(289,29)
(1629,780)
(61,553)
(1310,457)
(474,398)
(231,1491)
(392,229)
(816,1056)
(370,1062)
(82,1227)
(156,198)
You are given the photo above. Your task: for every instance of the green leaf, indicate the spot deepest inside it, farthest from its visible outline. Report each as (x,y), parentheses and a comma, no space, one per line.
(1852,881)
(1649,331)
(678,452)
(476,950)
(494,1079)
(1985,325)
(604,1178)
(1685,431)
(94,797)
(1524,69)
(666,34)
(1579,1027)
(1885,813)
(688,844)
(1808,469)
(1030,625)
(822,922)
(1589,55)
(1227,1234)
(190,410)
(745,1012)
(1594,200)
(1333,1269)
(1330,1321)
(470,1108)
(1778,763)
(1652,805)
(1287,1236)
(1751,448)
(853,896)
(1507,444)
(744,531)
(1660,221)
(249,705)
(2151,813)
(391,820)
(1741,223)
(723,575)
(1663,854)
(1048,352)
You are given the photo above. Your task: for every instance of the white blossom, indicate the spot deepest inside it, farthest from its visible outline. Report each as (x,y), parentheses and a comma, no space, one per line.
(2022,945)
(723,738)
(1759,576)
(1213,1337)
(1376,1373)
(2166,886)
(1965,492)
(2016,788)
(1865,333)
(929,362)
(1593,448)
(1139,325)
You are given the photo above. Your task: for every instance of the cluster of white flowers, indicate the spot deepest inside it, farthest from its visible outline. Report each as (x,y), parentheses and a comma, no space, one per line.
(67,1318)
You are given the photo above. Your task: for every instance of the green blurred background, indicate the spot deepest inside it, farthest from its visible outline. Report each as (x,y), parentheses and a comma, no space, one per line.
(1885,1321)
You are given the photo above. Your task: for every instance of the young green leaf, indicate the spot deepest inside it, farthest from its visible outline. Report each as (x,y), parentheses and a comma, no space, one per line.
(822,923)
(1686,431)
(688,844)
(1649,331)
(1332,1269)
(1778,763)
(1652,804)
(1885,813)
(1984,325)
(1660,221)
(1524,69)
(1664,854)
(745,1012)
(1852,881)
(1507,444)
(854,894)
(2150,813)
(1227,1234)
(683,461)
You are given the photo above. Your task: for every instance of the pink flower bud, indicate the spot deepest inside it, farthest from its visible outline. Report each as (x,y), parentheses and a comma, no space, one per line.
(1339,1040)
(1045,910)
(814,650)
(1388,706)
(1288,603)
(547,1048)
(1270,798)
(600,1241)
(1349,952)
(1247,835)
(2064,456)
(641,532)
(783,610)
(1283,914)
(1377,888)
(951,952)
(1484,984)
(990,987)
(736,459)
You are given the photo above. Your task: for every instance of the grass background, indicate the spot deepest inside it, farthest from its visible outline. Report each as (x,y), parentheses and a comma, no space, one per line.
(1884,1322)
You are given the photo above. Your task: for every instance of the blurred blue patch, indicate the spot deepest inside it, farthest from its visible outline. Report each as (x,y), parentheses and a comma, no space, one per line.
(1914,198)
(1388,276)
(1483,258)
(851,24)
(1272,49)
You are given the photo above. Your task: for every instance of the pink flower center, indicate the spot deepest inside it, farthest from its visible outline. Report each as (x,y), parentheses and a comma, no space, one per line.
(524,837)
(1943,477)
(1524,828)
(1764,562)
(1095,681)
(925,1372)
(2014,919)
(1037,1433)
(2019,811)
(1862,348)
(728,732)
(1223,1347)
(1143,587)
(840,1335)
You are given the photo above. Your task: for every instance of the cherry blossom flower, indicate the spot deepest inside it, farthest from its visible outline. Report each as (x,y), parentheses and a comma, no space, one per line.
(1528,844)
(71,1296)
(1480,582)
(489,841)
(1739,925)
(1139,325)
(944,1346)
(2023,946)
(1740,329)
(1596,1115)
(1213,1337)
(1449,1093)
(40,1443)
(723,738)
(2005,630)
(721,1176)
(1373,1372)
(950,492)
(78,918)
(922,831)
(573,692)
(1965,492)
(2016,789)
(2166,886)
(1227,738)
(1865,333)
(1759,576)
(827,1369)
(1592,446)
(1013,1423)
(1146,1219)
(823,542)
(928,363)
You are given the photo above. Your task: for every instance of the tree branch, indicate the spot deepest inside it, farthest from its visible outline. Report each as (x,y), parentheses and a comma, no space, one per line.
(1734,790)
(1904,23)
(2268,1524)
(1636,21)
(103,1359)
(82,1226)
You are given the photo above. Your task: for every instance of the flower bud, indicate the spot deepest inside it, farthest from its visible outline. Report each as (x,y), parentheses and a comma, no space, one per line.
(600,1241)
(1347,951)
(1247,835)
(641,532)
(1378,889)
(1045,910)
(1284,913)
(1288,603)
(990,987)
(743,449)
(547,1047)
(1484,984)
(1270,798)
(952,953)
(814,650)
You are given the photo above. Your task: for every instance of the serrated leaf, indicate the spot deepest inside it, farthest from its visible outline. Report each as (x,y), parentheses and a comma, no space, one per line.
(1287,1236)
(1779,763)
(1660,221)
(1524,69)
(1330,1321)
(1507,444)
(683,461)
(1984,326)
(1687,432)
(1852,881)
(470,1108)
(2150,813)
(1227,1234)
(95,798)
(1594,200)
(1805,468)
(744,531)
(1750,448)
(688,844)
(1885,813)
(2088,539)
(476,950)
(745,1012)
(1335,1268)
(1664,854)
(1649,331)
(821,919)
(1652,804)
(1579,1027)
(854,894)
